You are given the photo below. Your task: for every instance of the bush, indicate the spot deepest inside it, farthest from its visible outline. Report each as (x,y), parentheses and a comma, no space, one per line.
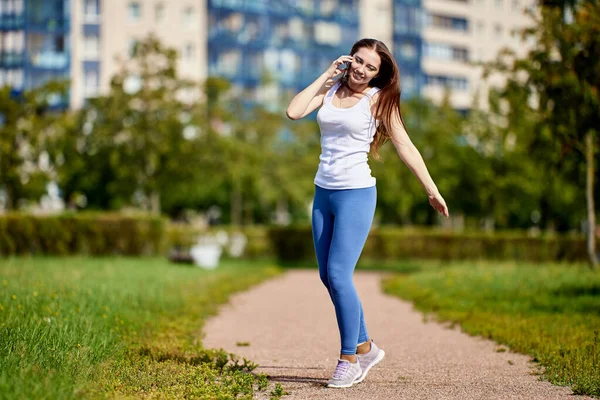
(81,233)
(182,237)
(292,244)
(112,233)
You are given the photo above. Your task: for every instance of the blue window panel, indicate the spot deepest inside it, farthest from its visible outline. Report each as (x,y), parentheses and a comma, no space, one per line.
(90,65)
(408,51)
(275,37)
(91,30)
(454,82)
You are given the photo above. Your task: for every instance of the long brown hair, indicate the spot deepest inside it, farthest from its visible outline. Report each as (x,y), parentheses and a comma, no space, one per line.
(388,80)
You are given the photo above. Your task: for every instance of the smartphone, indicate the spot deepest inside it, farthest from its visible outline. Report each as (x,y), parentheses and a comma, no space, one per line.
(346,69)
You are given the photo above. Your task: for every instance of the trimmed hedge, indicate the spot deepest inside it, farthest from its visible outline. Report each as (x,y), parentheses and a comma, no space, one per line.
(81,233)
(258,245)
(97,233)
(292,244)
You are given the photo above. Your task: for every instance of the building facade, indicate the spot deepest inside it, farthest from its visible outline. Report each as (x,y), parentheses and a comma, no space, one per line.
(458,34)
(34,43)
(268,49)
(105,33)
(257,43)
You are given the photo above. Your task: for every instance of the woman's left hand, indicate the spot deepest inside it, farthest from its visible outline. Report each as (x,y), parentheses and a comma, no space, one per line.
(438,203)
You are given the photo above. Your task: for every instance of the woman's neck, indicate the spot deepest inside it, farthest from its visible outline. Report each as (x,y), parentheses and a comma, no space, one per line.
(358,89)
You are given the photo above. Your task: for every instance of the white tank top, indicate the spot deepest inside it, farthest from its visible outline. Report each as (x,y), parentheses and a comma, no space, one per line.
(346,136)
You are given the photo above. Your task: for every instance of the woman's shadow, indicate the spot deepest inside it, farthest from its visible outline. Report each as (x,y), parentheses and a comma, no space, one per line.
(294,378)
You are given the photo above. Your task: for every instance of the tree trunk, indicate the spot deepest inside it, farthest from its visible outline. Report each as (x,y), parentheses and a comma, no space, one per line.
(591,220)
(9,198)
(236,203)
(155,203)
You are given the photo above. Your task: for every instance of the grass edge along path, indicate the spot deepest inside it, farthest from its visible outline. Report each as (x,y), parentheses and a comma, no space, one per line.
(172,363)
(549,312)
(162,357)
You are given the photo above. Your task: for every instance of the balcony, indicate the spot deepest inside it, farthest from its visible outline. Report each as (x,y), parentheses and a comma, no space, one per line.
(49,25)
(11,60)
(344,13)
(11,22)
(49,60)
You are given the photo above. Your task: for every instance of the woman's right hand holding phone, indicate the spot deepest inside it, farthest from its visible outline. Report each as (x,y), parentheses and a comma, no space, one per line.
(334,68)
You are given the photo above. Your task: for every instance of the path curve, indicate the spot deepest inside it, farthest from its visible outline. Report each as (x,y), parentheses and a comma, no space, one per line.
(290,325)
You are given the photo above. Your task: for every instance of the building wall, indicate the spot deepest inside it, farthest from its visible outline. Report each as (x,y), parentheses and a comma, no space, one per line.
(376,21)
(457,35)
(180,24)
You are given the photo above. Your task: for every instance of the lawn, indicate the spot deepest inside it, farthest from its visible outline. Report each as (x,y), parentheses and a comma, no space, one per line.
(80,327)
(549,311)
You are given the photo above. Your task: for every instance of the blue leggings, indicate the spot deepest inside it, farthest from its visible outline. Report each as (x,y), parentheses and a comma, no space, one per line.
(341,220)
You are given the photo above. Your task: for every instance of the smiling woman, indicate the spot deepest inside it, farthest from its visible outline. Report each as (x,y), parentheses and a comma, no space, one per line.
(361,97)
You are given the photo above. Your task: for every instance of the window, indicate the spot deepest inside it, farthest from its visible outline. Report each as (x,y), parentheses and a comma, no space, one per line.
(189,52)
(328,33)
(327,7)
(480,28)
(131,47)
(135,11)
(14,78)
(498,30)
(445,52)
(90,9)
(498,4)
(460,54)
(188,17)
(408,51)
(446,22)
(229,62)
(407,19)
(15,6)
(409,84)
(91,47)
(515,5)
(91,82)
(159,12)
(453,82)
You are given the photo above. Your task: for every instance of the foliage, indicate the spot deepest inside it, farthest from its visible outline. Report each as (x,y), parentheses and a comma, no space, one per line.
(81,233)
(546,311)
(28,133)
(556,86)
(126,147)
(87,328)
(293,244)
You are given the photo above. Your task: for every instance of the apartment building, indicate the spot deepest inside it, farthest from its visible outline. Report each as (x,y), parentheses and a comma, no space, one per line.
(268,49)
(34,43)
(105,32)
(438,43)
(256,43)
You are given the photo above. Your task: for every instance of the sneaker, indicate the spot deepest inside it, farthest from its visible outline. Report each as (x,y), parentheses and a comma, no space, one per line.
(369,360)
(345,374)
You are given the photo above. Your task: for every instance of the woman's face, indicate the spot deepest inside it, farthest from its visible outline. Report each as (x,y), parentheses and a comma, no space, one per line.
(365,66)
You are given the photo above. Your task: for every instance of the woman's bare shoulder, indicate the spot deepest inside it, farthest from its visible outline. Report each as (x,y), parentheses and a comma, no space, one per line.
(373,102)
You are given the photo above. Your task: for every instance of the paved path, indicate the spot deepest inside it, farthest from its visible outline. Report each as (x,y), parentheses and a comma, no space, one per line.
(290,324)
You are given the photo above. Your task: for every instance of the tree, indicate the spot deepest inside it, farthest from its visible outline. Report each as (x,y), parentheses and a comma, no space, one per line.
(28,131)
(142,143)
(560,81)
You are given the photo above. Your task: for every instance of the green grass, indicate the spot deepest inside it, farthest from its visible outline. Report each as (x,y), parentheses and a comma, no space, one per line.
(549,311)
(81,327)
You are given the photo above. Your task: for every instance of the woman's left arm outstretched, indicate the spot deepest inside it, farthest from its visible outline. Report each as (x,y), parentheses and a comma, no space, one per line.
(410,155)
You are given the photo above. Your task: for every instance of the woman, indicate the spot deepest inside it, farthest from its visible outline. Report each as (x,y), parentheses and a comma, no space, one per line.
(361,111)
